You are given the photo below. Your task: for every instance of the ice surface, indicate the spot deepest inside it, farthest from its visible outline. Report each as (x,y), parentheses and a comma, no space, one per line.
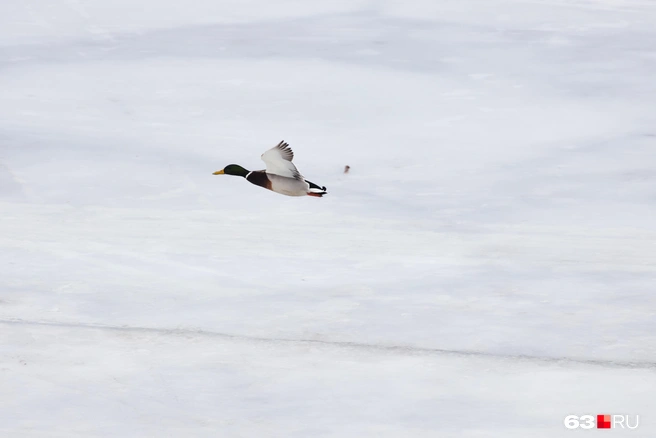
(487,267)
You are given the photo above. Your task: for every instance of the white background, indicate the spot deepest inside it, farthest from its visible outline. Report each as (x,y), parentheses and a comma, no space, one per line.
(486,268)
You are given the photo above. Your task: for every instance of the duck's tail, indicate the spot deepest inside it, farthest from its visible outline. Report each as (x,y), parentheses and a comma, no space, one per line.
(316,190)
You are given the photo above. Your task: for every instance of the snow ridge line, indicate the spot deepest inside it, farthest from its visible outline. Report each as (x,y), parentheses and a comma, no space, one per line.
(401,349)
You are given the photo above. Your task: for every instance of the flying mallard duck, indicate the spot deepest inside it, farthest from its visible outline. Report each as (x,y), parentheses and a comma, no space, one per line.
(280,175)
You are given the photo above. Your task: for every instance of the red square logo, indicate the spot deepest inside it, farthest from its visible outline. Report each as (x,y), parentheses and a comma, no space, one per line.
(603,421)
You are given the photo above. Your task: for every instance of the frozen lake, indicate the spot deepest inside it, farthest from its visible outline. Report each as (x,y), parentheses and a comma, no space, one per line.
(486,268)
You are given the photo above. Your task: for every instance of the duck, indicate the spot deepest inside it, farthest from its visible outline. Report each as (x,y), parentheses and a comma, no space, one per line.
(281,175)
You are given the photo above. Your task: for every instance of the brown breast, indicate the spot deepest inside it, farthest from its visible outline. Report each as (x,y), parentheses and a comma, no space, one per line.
(259,178)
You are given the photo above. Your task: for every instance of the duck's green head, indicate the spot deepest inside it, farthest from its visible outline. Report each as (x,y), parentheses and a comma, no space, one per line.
(232,169)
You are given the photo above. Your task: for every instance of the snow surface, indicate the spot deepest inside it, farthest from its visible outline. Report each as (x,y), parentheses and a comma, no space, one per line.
(486,268)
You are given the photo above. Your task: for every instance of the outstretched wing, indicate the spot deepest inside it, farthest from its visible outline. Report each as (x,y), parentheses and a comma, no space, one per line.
(279,161)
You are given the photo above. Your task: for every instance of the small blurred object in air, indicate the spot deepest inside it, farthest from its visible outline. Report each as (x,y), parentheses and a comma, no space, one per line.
(347,168)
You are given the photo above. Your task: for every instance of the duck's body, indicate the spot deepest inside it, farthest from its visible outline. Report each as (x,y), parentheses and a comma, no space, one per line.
(280,176)
(283,185)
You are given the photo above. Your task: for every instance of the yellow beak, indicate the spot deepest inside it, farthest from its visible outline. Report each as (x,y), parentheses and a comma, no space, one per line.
(219,172)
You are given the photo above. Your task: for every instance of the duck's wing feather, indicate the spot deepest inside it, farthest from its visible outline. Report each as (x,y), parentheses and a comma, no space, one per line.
(278,161)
